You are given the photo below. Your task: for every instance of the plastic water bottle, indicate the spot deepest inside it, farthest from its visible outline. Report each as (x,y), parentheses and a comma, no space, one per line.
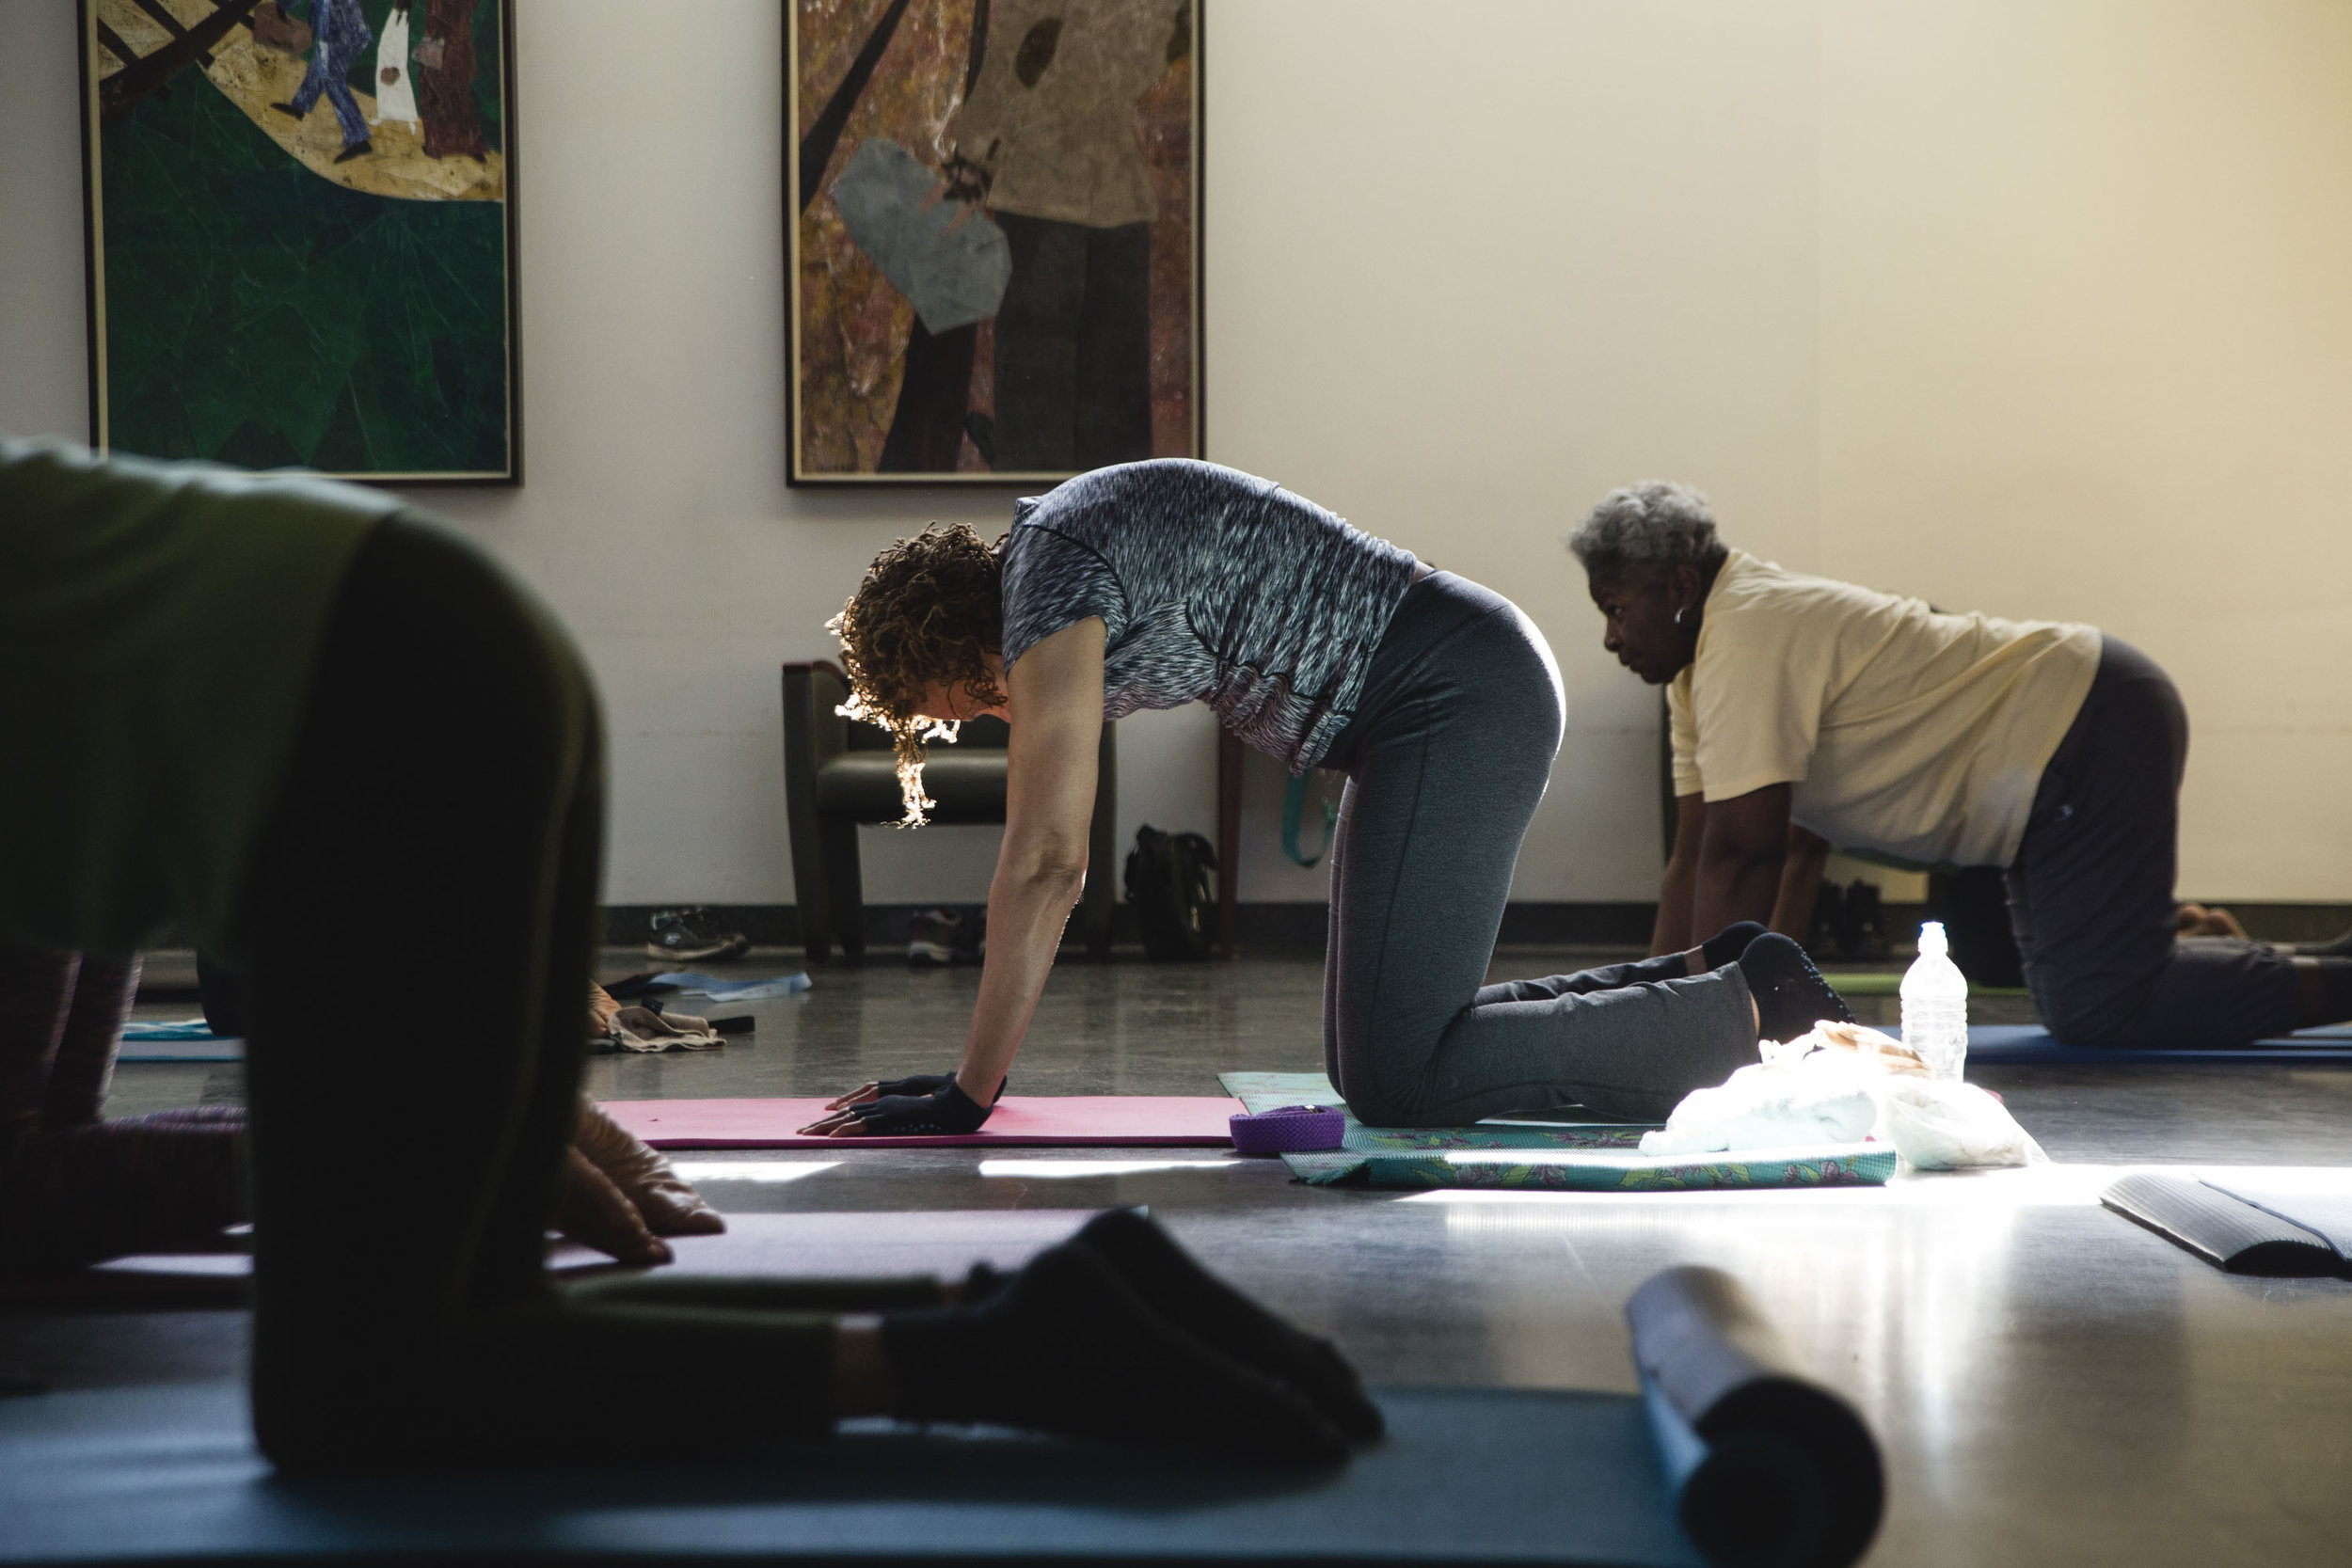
(1935,1004)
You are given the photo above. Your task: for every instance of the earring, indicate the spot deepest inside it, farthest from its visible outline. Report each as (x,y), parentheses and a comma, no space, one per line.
(1678,617)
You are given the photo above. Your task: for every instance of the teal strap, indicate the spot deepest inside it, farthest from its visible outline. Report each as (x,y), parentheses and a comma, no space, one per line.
(1294,807)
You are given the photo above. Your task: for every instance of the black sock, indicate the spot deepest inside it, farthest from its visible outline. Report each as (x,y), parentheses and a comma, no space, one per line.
(1726,946)
(1163,1274)
(1790,994)
(2340,948)
(1068,1346)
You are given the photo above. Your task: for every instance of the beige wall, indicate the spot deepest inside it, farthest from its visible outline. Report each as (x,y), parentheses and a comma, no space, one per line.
(2087,352)
(2041,307)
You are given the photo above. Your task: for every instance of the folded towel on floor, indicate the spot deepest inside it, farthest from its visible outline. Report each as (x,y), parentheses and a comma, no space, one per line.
(642,1029)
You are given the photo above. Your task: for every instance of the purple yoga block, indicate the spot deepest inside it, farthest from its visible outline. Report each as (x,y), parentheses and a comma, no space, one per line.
(1290,1130)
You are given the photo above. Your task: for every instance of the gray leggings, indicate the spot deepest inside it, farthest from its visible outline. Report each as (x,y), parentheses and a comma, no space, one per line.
(1449,750)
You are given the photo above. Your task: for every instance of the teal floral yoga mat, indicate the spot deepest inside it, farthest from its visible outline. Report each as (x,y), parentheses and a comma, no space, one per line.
(1562,1155)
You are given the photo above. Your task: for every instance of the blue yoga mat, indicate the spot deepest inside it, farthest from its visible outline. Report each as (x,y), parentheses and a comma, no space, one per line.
(167,1473)
(693,984)
(2019,1045)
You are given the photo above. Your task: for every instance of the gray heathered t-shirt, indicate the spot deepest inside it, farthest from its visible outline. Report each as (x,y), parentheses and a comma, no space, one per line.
(1212,585)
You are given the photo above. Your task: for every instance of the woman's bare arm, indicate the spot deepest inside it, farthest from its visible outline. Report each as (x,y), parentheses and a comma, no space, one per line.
(1672,932)
(1057,707)
(1799,883)
(1741,854)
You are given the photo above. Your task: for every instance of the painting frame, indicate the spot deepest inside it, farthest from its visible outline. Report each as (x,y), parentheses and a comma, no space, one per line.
(798,179)
(235,16)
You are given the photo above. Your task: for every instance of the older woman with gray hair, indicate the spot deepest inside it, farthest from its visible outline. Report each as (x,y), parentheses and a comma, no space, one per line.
(2045,747)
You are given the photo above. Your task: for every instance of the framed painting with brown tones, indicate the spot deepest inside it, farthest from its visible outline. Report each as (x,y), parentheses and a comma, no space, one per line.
(994,222)
(301,234)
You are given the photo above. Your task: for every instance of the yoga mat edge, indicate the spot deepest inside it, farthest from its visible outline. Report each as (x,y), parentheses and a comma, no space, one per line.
(1031,1122)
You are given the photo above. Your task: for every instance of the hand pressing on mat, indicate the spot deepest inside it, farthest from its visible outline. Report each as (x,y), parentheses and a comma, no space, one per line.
(595,1213)
(920,1085)
(665,1203)
(877,1112)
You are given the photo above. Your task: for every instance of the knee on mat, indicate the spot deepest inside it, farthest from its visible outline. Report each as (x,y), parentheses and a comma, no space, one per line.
(1635,1104)
(2100,1019)
(1374,1110)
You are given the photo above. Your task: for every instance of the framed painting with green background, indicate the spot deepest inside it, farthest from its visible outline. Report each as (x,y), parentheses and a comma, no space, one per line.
(993,218)
(301,235)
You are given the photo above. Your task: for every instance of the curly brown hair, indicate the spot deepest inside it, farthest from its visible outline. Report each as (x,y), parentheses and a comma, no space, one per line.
(928,613)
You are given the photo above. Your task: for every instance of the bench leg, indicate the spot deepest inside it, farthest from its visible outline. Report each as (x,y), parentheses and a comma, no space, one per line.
(845,889)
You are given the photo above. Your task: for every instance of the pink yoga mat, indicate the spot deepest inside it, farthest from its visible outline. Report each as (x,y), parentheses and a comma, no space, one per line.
(1067,1120)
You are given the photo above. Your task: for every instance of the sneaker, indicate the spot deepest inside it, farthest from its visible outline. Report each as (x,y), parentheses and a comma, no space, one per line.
(942,936)
(687,936)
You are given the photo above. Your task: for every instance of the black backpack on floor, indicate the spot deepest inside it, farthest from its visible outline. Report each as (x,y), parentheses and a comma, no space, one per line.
(1168,883)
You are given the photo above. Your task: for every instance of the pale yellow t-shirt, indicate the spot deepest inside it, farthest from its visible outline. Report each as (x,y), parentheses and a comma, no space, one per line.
(1906,732)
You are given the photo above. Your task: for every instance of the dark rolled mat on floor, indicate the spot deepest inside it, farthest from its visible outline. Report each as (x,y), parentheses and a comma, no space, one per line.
(2242,1222)
(1732,1451)
(1769,1467)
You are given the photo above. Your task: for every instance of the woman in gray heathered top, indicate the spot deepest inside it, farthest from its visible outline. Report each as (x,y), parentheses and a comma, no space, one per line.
(1156,584)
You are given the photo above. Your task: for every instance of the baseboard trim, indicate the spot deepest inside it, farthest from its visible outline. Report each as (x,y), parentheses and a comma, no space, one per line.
(1280,926)
(1300,927)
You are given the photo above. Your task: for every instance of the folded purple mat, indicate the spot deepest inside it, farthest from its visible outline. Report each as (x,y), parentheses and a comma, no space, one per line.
(1290,1130)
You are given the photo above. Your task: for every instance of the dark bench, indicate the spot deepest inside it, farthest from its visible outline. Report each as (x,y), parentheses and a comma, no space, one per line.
(838,775)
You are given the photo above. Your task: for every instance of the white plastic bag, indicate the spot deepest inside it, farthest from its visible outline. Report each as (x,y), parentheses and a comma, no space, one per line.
(1943,1124)
(1841,1084)
(1766,1107)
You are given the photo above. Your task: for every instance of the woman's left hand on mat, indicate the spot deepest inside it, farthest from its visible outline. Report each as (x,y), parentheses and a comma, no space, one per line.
(841,1123)
(921,1085)
(943,1112)
(918,1082)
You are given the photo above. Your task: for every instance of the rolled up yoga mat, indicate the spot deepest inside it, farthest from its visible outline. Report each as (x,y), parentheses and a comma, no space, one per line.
(1769,1468)
(1289,1129)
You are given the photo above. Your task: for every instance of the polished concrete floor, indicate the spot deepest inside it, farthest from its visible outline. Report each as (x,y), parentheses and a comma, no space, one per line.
(2050,1383)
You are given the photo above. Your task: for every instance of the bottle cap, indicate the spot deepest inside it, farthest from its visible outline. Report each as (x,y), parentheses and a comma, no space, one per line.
(1931,940)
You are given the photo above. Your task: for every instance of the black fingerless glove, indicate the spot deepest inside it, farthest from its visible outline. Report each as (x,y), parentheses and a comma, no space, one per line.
(947,1112)
(920,1082)
(928,1082)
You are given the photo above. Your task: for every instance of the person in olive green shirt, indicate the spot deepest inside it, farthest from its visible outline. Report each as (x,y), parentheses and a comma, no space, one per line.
(301,723)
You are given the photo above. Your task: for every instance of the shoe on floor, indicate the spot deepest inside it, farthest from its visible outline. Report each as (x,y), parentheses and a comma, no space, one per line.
(942,937)
(687,936)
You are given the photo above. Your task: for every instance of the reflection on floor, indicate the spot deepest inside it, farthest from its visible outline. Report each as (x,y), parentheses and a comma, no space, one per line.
(2051,1382)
